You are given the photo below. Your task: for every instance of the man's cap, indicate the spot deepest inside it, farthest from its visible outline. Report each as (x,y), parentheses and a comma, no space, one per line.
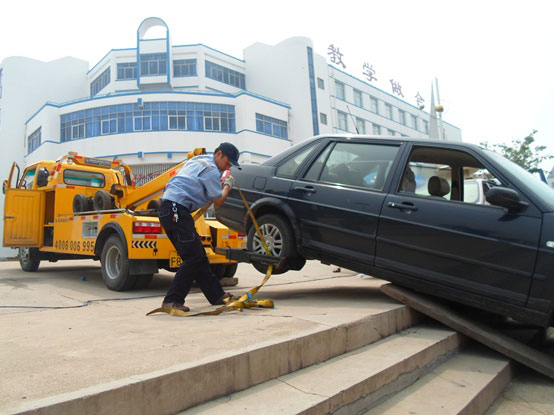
(230,151)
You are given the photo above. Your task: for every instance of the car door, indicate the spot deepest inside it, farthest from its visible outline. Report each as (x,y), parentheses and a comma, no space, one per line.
(23,212)
(338,197)
(437,233)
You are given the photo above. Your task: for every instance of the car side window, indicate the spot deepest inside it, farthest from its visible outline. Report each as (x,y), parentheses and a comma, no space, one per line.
(354,164)
(447,174)
(290,166)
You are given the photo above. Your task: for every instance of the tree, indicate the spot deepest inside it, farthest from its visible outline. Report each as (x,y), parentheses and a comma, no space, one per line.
(522,151)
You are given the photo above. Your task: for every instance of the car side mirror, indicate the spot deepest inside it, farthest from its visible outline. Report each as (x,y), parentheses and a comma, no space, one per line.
(506,198)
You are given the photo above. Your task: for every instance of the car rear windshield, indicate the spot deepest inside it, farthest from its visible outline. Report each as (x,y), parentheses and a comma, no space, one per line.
(539,188)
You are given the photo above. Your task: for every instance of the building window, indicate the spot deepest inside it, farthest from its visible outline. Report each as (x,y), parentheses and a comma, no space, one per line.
(425,126)
(358,98)
(374,105)
(225,75)
(390,132)
(376,129)
(323,118)
(402,117)
(151,116)
(127,70)
(271,126)
(339,87)
(320,83)
(388,111)
(414,121)
(360,125)
(343,122)
(100,82)
(33,141)
(184,67)
(152,64)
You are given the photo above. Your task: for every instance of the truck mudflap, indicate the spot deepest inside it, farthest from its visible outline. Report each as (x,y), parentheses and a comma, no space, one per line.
(241,255)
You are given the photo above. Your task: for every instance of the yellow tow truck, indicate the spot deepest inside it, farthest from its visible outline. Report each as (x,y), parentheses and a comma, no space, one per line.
(81,207)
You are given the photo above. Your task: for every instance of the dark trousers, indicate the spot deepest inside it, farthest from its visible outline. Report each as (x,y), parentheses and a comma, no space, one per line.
(195,266)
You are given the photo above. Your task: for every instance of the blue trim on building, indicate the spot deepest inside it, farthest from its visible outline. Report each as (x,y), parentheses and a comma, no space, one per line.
(225,95)
(313,97)
(384,92)
(208,47)
(165,131)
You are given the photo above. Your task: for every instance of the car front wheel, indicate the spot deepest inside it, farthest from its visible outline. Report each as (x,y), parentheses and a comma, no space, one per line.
(279,238)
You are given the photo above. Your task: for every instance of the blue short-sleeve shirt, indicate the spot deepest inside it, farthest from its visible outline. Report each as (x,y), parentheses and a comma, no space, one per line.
(197,184)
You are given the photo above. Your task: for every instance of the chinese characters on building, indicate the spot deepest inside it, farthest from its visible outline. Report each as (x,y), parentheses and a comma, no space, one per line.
(369,72)
(336,56)
(420,101)
(396,88)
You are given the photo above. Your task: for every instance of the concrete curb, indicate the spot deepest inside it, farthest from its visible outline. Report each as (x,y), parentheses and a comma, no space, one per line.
(180,387)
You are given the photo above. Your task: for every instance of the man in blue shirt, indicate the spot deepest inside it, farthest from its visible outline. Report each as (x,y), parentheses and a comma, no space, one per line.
(197,184)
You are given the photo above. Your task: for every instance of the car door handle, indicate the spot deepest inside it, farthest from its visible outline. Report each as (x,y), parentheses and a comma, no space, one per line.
(307,189)
(402,206)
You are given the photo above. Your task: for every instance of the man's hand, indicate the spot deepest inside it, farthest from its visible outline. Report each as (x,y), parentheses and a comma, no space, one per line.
(229,181)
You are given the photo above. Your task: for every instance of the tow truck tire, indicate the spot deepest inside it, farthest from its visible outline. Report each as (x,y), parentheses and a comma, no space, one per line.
(153,204)
(29,259)
(230,270)
(102,200)
(280,239)
(80,203)
(115,265)
(218,270)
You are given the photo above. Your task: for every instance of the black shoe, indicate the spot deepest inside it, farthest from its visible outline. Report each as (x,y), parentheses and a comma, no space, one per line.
(176,306)
(227,296)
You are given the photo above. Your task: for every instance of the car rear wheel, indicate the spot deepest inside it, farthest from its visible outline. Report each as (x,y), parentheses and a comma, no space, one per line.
(115,265)
(279,238)
(29,259)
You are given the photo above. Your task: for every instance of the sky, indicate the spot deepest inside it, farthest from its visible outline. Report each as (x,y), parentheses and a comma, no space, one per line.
(493,59)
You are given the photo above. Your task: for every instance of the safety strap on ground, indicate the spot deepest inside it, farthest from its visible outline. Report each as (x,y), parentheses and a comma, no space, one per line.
(246,300)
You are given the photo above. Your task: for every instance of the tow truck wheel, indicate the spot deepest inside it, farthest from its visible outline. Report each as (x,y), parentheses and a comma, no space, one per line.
(102,200)
(80,203)
(218,270)
(230,270)
(29,259)
(115,265)
(279,238)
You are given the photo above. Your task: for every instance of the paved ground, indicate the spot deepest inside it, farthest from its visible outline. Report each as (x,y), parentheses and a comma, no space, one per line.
(48,351)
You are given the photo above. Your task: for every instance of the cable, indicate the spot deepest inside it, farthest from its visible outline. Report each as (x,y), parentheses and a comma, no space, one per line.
(85,304)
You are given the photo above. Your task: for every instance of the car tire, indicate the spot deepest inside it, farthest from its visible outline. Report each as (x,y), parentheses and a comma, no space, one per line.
(280,239)
(102,200)
(29,259)
(115,265)
(80,203)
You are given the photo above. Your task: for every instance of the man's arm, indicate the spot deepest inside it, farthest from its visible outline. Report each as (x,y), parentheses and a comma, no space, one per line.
(224,194)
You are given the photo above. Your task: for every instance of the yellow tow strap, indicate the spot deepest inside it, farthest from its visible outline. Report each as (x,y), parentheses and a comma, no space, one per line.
(246,300)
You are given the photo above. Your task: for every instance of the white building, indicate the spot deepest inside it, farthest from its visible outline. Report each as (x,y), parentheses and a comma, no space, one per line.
(151,104)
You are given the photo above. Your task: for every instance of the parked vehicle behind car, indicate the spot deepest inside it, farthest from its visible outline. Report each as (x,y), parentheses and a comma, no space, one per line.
(408,211)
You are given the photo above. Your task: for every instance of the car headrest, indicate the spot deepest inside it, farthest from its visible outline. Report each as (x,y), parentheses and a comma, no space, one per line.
(437,186)
(408,181)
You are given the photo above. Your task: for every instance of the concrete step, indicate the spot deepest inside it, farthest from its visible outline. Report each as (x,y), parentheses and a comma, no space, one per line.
(466,384)
(348,383)
(182,386)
